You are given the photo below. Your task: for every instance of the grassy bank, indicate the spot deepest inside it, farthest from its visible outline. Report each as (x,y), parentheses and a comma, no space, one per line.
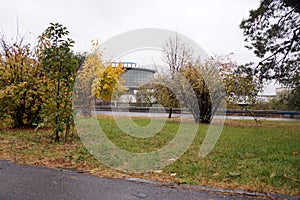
(262,157)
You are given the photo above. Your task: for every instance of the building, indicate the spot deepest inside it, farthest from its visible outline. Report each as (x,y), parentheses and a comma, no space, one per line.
(134,76)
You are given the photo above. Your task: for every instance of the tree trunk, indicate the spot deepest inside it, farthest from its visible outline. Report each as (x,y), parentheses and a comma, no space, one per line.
(57,120)
(18,119)
(67,131)
(170,112)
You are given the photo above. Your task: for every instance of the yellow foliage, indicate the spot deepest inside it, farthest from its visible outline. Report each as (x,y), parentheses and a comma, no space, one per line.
(110,85)
(98,80)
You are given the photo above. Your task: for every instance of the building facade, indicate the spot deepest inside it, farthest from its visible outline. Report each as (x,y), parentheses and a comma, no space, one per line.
(134,76)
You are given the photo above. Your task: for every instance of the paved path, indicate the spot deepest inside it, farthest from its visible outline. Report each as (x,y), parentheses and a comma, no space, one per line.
(25,182)
(19,182)
(174,115)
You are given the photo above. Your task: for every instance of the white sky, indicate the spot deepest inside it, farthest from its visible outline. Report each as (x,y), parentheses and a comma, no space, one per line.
(213,24)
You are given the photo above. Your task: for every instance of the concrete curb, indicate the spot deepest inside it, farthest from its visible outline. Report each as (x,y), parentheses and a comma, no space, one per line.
(236,192)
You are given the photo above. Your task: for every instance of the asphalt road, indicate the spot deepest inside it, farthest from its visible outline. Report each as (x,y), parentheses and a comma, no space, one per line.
(27,182)
(174,115)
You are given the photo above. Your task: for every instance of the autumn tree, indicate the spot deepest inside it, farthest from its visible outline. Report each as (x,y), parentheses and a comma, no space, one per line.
(165,93)
(21,81)
(191,82)
(199,86)
(196,87)
(97,79)
(60,64)
(90,71)
(208,88)
(201,109)
(109,86)
(241,87)
(214,83)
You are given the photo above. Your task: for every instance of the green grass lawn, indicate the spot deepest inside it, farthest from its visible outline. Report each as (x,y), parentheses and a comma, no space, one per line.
(262,157)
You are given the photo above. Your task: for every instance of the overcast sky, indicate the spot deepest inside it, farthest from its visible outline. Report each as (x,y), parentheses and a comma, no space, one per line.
(213,24)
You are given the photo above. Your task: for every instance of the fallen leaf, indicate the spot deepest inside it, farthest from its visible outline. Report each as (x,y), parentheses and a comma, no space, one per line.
(288,177)
(72,177)
(226,180)
(272,175)
(216,174)
(234,173)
